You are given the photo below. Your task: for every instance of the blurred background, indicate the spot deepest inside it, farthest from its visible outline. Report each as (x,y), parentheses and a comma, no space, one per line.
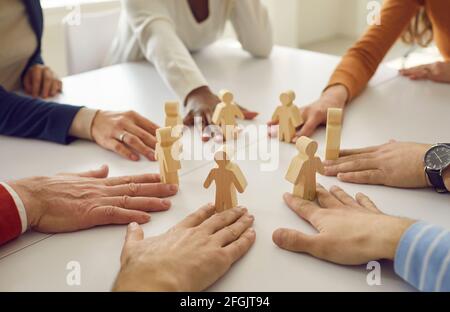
(325,26)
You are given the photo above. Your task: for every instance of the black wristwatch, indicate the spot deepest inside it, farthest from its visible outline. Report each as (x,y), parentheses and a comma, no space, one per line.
(437,160)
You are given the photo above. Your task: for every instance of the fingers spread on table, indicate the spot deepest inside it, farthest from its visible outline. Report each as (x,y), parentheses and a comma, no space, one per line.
(311,124)
(148,204)
(139,146)
(232,232)
(351,166)
(142,190)
(144,178)
(342,196)
(325,199)
(198,217)
(349,158)
(363,177)
(366,202)
(115,215)
(303,208)
(296,241)
(121,149)
(241,246)
(222,219)
(355,151)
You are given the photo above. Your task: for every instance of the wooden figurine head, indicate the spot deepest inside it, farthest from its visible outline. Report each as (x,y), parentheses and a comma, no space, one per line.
(172,108)
(306,146)
(222,158)
(164,136)
(287,98)
(226,97)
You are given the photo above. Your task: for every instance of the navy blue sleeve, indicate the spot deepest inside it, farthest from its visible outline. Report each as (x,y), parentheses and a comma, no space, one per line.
(22,116)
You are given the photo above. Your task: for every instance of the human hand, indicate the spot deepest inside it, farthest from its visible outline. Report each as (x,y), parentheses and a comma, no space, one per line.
(350,231)
(315,114)
(41,81)
(396,164)
(202,103)
(125,133)
(72,202)
(191,256)
(438,72)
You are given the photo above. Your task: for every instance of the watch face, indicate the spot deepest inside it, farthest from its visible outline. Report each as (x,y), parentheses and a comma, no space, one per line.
(438,157)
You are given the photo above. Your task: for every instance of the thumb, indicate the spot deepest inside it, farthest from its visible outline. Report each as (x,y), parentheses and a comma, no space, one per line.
(312,122)
(134,233)
(293,240)
(100,173)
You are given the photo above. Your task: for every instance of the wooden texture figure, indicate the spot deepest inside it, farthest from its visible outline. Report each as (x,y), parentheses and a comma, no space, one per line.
(303,168)
(168,154)
(333,136)
(228,178)
(173,117)
(226,113)
(288,117)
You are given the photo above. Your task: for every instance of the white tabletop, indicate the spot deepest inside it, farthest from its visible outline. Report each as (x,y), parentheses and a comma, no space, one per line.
(390,108)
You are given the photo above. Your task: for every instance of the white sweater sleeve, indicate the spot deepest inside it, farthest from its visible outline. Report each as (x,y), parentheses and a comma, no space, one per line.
(161,46)
(252,24)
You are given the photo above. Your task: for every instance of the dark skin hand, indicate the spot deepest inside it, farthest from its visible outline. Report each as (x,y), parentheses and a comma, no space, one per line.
(200,9)
(201,103)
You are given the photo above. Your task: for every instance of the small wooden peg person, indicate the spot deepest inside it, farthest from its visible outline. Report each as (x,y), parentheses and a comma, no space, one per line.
(168,155)
(226,113)
(288,117)
(303,168)
(333,135)
(228,178)
(173,117)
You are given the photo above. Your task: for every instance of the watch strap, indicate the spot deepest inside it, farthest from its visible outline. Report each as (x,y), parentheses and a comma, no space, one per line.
(436,180)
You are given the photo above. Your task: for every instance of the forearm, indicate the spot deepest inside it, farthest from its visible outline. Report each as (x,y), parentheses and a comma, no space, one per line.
(161,46)
(22,116)
(362,60)
(253,27)
(338,94)
(423,257)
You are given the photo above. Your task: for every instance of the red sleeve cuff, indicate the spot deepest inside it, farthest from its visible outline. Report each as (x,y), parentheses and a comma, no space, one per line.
(10,222)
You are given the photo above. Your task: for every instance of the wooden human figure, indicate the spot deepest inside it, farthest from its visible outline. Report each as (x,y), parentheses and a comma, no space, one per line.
(303,168)
(228,178)
(173,117)
(333,136)
(226,113)
(167,153)
(288,117)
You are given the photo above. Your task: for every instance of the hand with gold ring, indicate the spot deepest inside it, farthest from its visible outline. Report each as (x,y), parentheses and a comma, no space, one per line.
(125,133)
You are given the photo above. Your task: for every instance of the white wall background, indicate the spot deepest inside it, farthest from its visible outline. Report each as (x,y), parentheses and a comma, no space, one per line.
(297,23)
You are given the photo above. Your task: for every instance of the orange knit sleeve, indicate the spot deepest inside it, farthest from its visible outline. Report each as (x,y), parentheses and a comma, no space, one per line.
(362,60)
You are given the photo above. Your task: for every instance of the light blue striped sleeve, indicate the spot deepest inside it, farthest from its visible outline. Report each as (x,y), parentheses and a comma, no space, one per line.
(423,257)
